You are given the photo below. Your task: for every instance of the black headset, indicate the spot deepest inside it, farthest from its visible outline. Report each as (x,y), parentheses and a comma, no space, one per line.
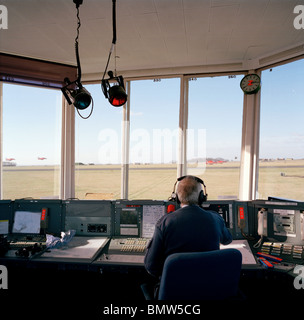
(202,195)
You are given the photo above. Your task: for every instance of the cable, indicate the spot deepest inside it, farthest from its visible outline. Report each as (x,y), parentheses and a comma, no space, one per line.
(76,47)
(89,113)
(111,50)
(114,20)
(258,244)
(114,36)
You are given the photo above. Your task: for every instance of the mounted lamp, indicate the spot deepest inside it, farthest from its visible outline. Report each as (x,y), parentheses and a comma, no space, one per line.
(74,92)
(116,93)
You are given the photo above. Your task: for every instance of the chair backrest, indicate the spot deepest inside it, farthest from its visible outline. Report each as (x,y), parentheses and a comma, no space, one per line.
(212,275)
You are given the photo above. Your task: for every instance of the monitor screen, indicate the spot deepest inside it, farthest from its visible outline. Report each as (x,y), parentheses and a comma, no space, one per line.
(151,214)
(4,227)
(26,222)
(128,218)
(129,222)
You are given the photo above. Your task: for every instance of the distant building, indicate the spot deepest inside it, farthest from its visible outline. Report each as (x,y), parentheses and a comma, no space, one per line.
(8,164)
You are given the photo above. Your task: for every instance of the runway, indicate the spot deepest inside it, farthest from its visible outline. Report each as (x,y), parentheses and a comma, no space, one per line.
(91,168)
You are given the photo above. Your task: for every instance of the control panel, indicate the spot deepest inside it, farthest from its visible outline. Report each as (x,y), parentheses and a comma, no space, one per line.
(137,218)
(50,212)
(128,245)
(224,209)
(279,221)
(235,214)
(287,251)
(89,218)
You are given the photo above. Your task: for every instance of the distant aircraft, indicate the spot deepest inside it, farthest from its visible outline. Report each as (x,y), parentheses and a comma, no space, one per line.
(215,161)
(41,158)
(10,159)
(210,162)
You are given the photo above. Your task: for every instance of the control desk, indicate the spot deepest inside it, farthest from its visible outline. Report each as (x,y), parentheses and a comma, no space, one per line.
(116,233)
(134,223)
(102,244)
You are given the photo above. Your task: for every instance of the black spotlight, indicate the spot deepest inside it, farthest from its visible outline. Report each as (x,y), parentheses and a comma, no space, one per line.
(116,93)
(76,94)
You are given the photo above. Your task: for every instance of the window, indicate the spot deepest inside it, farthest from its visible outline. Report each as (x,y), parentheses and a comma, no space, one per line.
(98,149)
(281,163)
(154,121)
(214,133)
(31,142)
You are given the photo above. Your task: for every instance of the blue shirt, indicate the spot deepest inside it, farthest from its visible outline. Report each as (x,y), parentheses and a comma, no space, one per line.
(188,229)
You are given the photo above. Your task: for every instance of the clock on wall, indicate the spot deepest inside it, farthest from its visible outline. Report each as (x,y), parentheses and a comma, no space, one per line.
(251,83)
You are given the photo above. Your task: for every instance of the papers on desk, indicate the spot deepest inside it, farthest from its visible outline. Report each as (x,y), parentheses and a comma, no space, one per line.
(244,248)
(79,248)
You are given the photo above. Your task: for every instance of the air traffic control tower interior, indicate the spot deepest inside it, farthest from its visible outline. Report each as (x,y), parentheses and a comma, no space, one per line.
(104,104)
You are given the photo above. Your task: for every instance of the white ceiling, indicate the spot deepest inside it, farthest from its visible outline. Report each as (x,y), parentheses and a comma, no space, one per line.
(155,36)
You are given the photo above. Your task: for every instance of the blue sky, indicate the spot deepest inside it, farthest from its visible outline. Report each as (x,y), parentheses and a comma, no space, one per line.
(32,120)
(31,124)
(282,112)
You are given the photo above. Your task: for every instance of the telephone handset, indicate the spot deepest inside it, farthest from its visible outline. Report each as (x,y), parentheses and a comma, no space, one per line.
(262,226)
(262,218)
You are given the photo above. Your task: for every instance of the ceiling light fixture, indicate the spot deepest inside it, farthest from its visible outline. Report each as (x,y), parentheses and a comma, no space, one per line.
(74,92)
(116,93)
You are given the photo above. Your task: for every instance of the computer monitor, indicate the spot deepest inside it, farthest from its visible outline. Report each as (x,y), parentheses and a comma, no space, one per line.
(26,222)
(129,222)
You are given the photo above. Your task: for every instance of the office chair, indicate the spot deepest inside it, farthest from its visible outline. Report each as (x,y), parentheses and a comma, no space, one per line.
(212,275)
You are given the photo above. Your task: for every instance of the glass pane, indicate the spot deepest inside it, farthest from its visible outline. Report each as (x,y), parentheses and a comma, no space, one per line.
(281,164)
(153,138)
(31,142)
(98,149)
(214,134)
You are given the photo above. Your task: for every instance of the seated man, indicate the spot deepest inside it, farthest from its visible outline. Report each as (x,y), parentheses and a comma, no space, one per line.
(188,229)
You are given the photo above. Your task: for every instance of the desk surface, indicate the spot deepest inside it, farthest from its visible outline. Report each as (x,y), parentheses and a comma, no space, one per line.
(243,246)
(84,249)
(93,250)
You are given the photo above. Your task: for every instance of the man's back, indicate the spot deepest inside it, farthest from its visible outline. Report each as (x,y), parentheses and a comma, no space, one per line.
(189,229)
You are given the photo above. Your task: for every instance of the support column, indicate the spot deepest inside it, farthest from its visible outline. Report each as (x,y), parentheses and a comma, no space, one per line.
(67,189)
(183,125)
(1,140)
(125,146)
(250,147)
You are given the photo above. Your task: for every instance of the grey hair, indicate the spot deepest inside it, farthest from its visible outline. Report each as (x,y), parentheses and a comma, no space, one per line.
(188,190)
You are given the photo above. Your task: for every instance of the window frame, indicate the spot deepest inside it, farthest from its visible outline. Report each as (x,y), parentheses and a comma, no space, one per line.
(249,166)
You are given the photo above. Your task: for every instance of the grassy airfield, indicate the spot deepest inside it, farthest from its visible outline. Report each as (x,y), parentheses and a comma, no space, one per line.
(284,178)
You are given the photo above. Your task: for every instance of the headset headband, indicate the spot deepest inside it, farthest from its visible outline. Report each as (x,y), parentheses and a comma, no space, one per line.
(194,177)
(203,194)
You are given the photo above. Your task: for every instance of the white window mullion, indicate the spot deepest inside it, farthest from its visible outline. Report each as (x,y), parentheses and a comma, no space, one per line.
(67,151)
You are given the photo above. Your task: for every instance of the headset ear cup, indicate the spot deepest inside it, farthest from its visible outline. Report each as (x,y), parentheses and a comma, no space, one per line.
(174,198)
(201,198)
